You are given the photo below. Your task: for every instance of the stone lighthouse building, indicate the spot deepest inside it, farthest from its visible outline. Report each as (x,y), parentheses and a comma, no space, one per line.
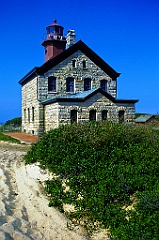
(73,85)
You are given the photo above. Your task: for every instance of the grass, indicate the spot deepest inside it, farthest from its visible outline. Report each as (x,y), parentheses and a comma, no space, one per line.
(6,138)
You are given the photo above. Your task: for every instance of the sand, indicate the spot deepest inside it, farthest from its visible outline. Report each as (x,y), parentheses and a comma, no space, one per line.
(24,211)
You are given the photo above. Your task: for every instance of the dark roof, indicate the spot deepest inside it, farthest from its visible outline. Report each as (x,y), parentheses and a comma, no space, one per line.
(66,53)
(84,95)
(143,118)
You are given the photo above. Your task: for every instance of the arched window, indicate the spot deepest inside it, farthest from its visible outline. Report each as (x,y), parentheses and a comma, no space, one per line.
(92,115)
(103,85)
(121,116)
(87,84)
(73,116)
(104,114)
(52,84)
(69,84)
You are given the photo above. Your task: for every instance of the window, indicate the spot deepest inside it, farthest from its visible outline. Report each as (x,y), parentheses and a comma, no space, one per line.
(87,84)
(84,64)
(121,116)
(103,85)
(92,115)
(69,84)
(25,115)
(45,50)
(28,115)
(104,114)
(74,63)
(32,114)
(48,30)
(52,29)
(73,116)
(51,84)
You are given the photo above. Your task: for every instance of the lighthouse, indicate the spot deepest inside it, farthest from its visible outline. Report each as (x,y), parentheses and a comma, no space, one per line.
(55,42)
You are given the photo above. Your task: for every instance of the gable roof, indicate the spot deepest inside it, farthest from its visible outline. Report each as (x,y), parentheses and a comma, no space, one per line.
(84,95)
(66,53)
(143,118)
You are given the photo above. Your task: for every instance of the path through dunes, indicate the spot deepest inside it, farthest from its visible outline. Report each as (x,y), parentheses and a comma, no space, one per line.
(24,211)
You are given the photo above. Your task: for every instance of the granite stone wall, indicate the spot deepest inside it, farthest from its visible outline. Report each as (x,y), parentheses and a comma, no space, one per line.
(66,69)
(37,118)
(32,109)
(59,113)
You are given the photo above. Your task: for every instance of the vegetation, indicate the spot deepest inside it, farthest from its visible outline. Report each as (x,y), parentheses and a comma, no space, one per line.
(112,171)
(16,122)
(11,125)
(6,138)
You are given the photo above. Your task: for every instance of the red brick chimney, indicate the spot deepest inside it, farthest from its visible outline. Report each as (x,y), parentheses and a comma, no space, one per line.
(55,42)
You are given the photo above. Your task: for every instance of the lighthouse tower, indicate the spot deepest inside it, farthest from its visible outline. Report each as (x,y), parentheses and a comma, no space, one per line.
(55,42)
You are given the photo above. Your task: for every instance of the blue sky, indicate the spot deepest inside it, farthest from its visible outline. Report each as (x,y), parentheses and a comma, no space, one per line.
(125,33)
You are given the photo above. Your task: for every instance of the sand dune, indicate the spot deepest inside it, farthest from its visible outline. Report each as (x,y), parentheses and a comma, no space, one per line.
(24,211)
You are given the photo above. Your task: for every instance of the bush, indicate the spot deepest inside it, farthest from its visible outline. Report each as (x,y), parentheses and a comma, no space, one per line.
(108,165)
(16,122)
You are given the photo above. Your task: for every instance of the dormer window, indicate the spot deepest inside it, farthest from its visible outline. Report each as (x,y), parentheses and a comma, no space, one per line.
(51,84)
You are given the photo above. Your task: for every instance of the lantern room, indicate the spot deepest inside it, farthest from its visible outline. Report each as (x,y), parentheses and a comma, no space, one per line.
(55,42)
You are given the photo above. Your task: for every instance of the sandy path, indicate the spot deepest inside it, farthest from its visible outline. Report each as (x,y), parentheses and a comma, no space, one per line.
(24,211)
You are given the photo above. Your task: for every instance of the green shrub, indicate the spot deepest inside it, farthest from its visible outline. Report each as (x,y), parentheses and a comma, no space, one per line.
(106,164)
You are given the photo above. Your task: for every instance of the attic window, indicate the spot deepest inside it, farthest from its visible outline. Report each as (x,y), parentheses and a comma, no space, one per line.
(73,63)
(84,64)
